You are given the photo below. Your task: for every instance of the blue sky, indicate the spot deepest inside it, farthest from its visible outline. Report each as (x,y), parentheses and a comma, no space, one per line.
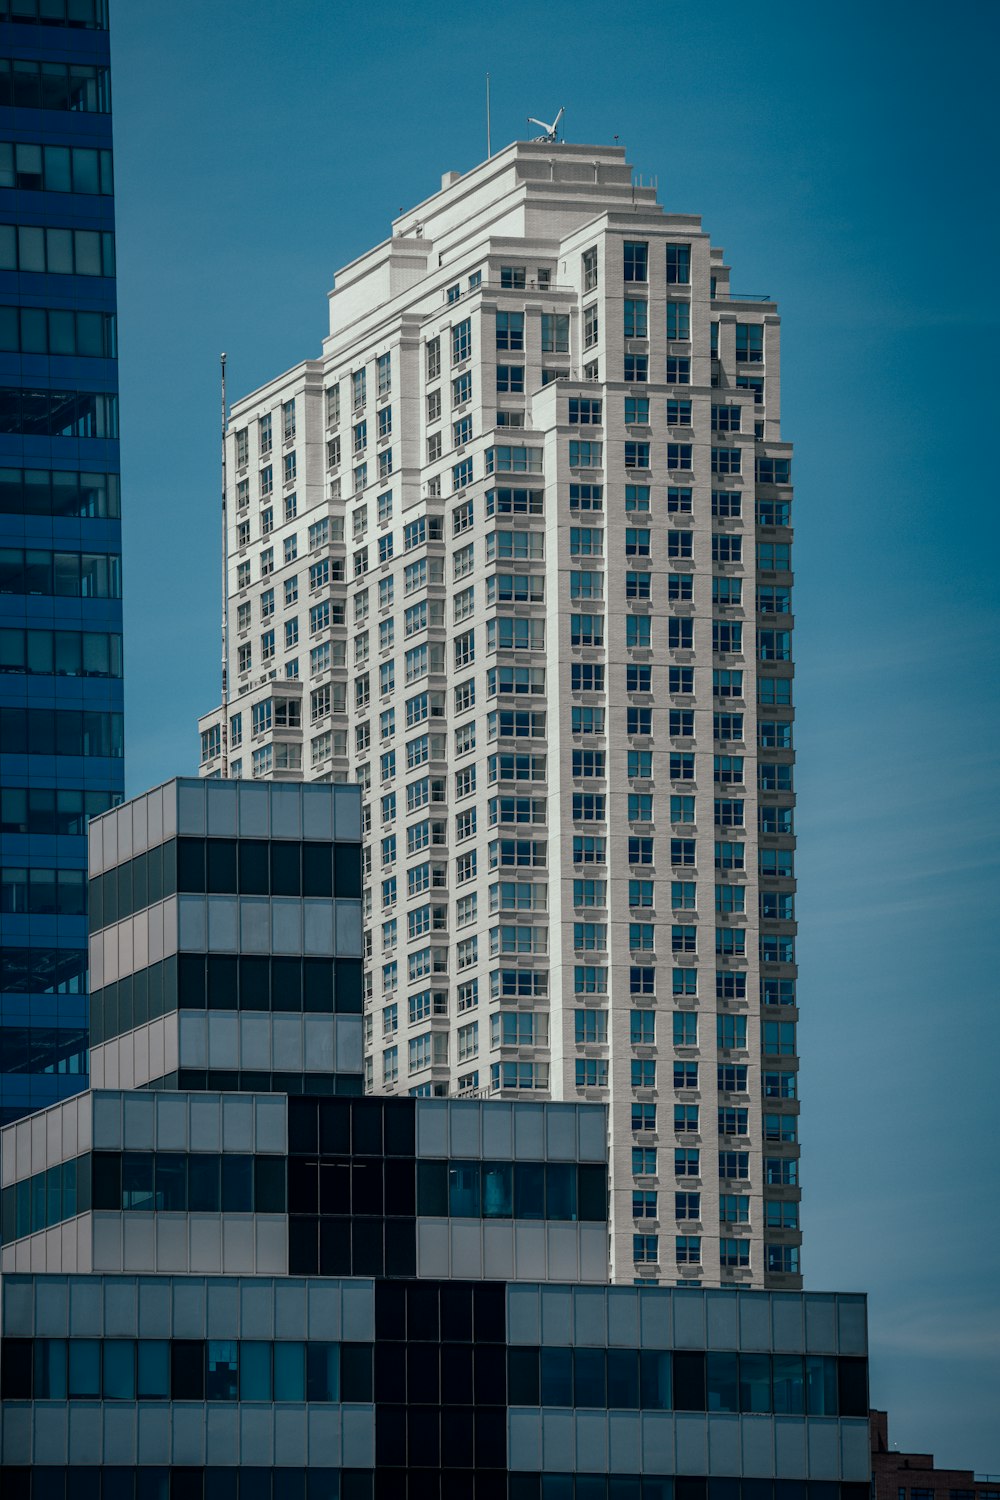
(845,157)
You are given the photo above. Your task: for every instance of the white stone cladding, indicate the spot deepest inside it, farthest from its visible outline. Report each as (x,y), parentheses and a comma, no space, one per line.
(511,852)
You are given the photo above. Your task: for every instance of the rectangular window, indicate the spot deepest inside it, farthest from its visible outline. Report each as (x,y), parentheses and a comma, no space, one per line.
(678,265)
(774,470)
(555,333)
(636,315)
(726,418)
(461,341)
(585,455)
(635,261)
(591,326)
(588,265)
(727,549)
(678,320)
(727,461)
(510,379)
(773,512)
(583,411)
(750,343)
(509,330)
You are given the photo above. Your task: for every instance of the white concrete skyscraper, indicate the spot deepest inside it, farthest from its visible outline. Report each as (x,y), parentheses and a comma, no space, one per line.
(514,553)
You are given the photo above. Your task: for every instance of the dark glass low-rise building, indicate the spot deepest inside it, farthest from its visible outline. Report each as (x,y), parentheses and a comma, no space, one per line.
(231,1277)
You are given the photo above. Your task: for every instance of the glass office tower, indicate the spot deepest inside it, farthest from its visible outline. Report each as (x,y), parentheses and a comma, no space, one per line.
(60,541)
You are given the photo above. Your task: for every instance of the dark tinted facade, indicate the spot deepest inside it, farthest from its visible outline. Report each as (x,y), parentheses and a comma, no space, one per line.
(60,530)
(151,1388)
(304,1295)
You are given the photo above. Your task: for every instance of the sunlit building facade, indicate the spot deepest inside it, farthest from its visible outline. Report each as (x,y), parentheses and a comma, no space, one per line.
(514,554)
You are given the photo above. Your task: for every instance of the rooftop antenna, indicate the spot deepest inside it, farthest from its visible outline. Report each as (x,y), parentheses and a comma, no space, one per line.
(551,131)
(489,146)
(224,737)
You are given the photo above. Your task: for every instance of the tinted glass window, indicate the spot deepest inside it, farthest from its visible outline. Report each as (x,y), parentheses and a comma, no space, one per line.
(154,987)
(317,870)
(655,1380)
(557,1377)
(560,1190)
(289,1372)
(107,1180)
(154,875)
(348,994)
(204,1182)
(432,1189)
(723,1382)
(255,984)
(367,1247)
(497,1190)
(788,1382)
(140,997)
(253,867)
(821,1385)
(489,1306)
(593,1191)
(124,879)
(422,1311)
(853,1387)
(190,864)
(140,882)
(755,1382)
(523,1377)
(222,990)
(137,1180)
(255,1371)
(286,984)
(191,981)
(285,874)
(347,869)
(188,1370)
(85,1367)
(589,1379)
(400,1127)
(529,1190)
(269,1184)
(317,985)
(334,1127)
(623,1379)
(119,1369)
(456,1311)
(366,1122)
(463,1190)
(169,868)
(221,869)
(400,1187)
(335,1248)
(237,1184)
(171,1182)
(456,1375)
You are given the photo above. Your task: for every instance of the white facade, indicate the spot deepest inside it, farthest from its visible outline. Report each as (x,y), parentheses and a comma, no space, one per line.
(499,554)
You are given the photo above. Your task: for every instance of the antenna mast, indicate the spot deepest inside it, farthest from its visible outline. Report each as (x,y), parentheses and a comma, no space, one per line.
(224,737)
(489,147)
